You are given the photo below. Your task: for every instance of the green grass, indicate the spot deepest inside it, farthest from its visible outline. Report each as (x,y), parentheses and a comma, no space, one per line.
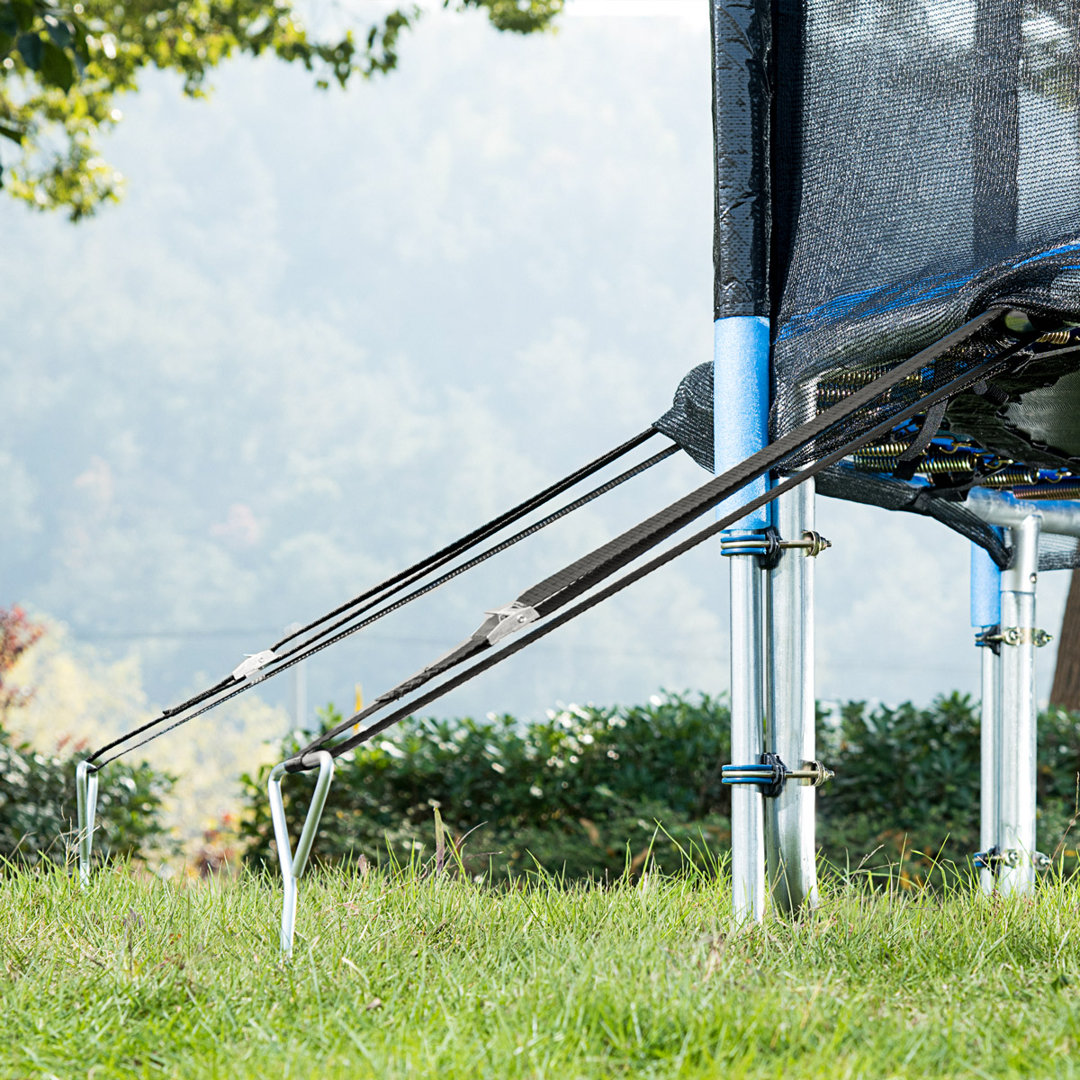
(402,975)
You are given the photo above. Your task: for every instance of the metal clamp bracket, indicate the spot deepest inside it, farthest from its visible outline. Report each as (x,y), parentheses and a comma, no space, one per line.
(86,790)
(995,858)
(293,863)
(1014,635)
(761,543)
(769,546)
(770,774)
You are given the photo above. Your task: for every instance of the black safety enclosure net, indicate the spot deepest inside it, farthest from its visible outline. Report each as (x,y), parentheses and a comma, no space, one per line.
(906,165)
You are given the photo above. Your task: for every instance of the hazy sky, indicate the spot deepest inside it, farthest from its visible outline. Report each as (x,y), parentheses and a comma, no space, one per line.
(328,332)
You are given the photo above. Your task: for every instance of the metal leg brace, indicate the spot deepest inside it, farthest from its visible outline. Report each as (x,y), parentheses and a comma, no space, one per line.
(747,737)
(1009,860)
(789,817)
(86,789)
(989,735)
(773,711)
(293,864)
(1017,716)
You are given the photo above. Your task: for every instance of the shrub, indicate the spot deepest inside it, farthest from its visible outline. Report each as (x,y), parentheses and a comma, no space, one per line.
(581,791)
(37,806)
(907,783)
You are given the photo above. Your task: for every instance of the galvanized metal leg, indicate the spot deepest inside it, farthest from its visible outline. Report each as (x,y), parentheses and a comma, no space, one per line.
(747,737)
(986,621)
(293,864)
(1018,717)
(86,790)
(790,727)
(990,746)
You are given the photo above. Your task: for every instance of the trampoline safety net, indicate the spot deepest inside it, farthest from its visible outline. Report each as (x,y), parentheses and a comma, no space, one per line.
(908,164)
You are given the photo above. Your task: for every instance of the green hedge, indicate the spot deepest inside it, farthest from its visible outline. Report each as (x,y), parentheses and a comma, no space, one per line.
(591,790)
(37,807)
(579,792)
(906,791)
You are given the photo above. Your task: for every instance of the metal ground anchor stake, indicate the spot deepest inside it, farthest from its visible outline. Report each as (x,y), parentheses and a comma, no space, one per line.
(86,789)
(293,863)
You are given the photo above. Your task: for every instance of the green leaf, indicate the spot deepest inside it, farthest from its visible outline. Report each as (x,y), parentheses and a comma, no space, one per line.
(31,46)
(56,67)
(7,42)
(11,132)
(23,10)
(8,23)
(59,31)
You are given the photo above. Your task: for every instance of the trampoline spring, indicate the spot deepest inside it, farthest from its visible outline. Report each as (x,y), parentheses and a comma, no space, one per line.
(935,465)
(885,450)
(842,383)
(939,466)
(1067,335)
(1005,473)
(1049,491)
(1011,476)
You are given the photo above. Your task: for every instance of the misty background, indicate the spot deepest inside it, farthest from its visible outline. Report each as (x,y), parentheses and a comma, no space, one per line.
(327,332)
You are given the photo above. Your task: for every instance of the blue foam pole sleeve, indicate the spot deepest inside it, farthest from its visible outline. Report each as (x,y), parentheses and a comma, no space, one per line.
(985,589)
(741,404)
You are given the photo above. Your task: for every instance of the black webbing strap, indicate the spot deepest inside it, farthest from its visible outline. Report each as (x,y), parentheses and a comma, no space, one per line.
(908,462)
(344,627)
(330,634)
(557,590)
(477,536)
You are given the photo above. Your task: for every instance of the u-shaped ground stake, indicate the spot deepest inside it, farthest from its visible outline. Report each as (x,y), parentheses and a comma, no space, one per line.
(86,788)
(293,863)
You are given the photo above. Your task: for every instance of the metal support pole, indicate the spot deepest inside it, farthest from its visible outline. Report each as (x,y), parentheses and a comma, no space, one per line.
(86,789)
(790,731)
(293,864)
(1018,716)
(985,619)
(740,413)
(990,764)
(1009,849)
(747,738)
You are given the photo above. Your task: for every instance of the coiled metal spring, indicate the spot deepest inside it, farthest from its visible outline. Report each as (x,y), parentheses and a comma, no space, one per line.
(1003,473)
(886,458)
(1067,335)
(840,384)
(1050,491)
(1010,477)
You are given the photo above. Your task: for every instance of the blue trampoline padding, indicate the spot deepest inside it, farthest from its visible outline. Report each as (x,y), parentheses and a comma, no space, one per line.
(985,590)
(741,404)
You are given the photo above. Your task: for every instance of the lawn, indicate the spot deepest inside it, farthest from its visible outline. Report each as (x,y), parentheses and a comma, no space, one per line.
(404,974)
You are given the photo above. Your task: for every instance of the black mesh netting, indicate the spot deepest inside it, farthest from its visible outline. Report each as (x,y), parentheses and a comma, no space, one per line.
(923,167)
(930,169)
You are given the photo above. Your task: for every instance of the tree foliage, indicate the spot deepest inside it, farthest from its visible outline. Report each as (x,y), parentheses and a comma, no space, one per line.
(64,69)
